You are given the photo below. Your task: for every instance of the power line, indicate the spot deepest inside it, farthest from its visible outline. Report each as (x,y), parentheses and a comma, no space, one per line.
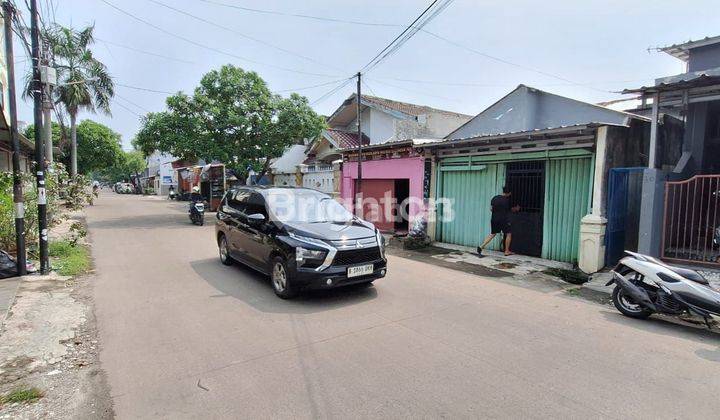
(332,91)
(394,45)
(128,109)
(240,34)
(416,92)
(180,60)
(310,87)
(140,107)
(208,47)
(501,60)
(380,24)
(144,89)
(297,15)
(481,84)
(391,47)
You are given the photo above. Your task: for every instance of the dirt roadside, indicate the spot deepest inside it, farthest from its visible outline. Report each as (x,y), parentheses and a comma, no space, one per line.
(49,342)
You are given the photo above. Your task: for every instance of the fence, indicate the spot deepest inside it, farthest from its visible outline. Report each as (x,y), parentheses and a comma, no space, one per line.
(319,178)
(691,219)
(285,180)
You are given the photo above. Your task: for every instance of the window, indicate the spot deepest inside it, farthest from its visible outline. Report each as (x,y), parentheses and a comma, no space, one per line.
(239,200)
(256,204)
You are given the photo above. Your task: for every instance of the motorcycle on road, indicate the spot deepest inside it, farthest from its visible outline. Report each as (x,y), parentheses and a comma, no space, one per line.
(197,213)
(646,285)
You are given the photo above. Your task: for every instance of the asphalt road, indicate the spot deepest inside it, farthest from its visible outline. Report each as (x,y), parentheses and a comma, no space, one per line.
(183,336)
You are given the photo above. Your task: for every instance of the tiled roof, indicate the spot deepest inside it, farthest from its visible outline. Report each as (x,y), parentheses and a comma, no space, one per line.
(408,108)
(346,139)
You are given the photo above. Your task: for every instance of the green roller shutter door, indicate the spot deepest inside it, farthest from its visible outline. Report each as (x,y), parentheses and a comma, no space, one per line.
(469,192)
(567,192)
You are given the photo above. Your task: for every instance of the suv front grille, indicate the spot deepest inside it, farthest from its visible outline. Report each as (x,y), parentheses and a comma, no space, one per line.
(356,256)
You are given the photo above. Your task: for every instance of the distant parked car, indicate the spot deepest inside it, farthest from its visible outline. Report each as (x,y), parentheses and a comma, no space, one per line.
(301,238)
(123,188)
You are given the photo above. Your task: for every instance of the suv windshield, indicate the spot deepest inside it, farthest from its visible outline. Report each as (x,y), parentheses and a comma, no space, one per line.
(305,206)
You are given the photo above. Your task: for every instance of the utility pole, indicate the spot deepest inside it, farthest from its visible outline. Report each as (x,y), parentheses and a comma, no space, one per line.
(39,146)
(48,78)
(18,201)
(358,187)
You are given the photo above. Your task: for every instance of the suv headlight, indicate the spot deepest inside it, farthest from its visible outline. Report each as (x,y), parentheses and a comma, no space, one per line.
(304,255)
(381,242)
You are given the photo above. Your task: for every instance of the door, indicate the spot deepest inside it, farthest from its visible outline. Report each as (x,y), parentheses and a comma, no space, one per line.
(377,195)
(567,200)
(526,180)
(258,241)
(238,232)
(623,212)
(466,193)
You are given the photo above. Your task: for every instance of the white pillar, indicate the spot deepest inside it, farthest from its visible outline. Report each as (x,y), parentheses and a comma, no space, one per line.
(591,255)
(652,155)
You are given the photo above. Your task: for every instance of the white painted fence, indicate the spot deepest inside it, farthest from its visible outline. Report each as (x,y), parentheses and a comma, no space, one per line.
(285,180)
(319,177)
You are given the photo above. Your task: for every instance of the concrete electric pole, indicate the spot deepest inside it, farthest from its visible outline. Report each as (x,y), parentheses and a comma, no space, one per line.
(37,88)
(18,201)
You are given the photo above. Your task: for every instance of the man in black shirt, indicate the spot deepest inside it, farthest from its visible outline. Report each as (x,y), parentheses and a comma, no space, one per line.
(500,220)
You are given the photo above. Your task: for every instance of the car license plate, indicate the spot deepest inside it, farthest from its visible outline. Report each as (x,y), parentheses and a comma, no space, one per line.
(360,270)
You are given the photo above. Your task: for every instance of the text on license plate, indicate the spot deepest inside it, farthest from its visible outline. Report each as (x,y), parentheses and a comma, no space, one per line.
(360,270)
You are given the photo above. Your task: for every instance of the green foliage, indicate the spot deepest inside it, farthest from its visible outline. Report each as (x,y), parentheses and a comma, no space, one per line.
(232,117)
(69,259)
(83,81)
(77,232)
(78,193)
(21,395)
(98,146)
(7,216)
(58,135)
(59,192)
(128,164)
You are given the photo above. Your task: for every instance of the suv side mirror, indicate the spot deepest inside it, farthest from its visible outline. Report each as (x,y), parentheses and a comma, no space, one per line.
(256,218)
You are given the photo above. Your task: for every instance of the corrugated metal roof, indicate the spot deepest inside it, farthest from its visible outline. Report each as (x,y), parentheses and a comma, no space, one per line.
(389,105)
(682,51)
(408,108)
(345,139)
(680,81)
(518,134)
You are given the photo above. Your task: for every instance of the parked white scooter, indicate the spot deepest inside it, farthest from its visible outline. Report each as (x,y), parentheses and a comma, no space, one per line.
(645,285)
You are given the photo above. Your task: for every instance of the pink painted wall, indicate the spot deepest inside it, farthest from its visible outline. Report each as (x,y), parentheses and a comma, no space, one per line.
(411,168)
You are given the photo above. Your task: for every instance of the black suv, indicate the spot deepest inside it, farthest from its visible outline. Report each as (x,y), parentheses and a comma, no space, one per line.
(301,237)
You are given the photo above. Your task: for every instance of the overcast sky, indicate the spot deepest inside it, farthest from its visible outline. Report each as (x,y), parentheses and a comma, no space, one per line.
(590,47)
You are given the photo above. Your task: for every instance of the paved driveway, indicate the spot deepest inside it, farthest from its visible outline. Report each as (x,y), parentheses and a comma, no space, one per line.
(184,336)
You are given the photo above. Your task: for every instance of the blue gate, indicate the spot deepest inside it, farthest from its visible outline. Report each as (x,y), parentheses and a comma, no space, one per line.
(623,212)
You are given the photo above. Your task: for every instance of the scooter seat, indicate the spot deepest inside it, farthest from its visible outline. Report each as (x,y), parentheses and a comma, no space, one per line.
(689,274)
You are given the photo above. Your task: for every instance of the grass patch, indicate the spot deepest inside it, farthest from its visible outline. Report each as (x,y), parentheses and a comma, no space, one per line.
(570,276)
(21,395)
(69,259)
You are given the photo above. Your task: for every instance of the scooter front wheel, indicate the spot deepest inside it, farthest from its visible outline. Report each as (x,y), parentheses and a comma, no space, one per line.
(627,306)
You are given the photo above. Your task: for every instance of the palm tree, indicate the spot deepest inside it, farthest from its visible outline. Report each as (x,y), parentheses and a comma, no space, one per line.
(83,82)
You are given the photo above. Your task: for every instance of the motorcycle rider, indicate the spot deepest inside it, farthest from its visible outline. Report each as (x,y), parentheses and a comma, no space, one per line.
(195,195)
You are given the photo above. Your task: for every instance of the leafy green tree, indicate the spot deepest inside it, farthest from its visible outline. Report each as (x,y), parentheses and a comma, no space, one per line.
(83,81)
(232,117)
(97,144)
(58,136)
(128,164)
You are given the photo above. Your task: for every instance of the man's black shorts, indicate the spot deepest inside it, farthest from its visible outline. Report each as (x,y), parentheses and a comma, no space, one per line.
(497,226)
